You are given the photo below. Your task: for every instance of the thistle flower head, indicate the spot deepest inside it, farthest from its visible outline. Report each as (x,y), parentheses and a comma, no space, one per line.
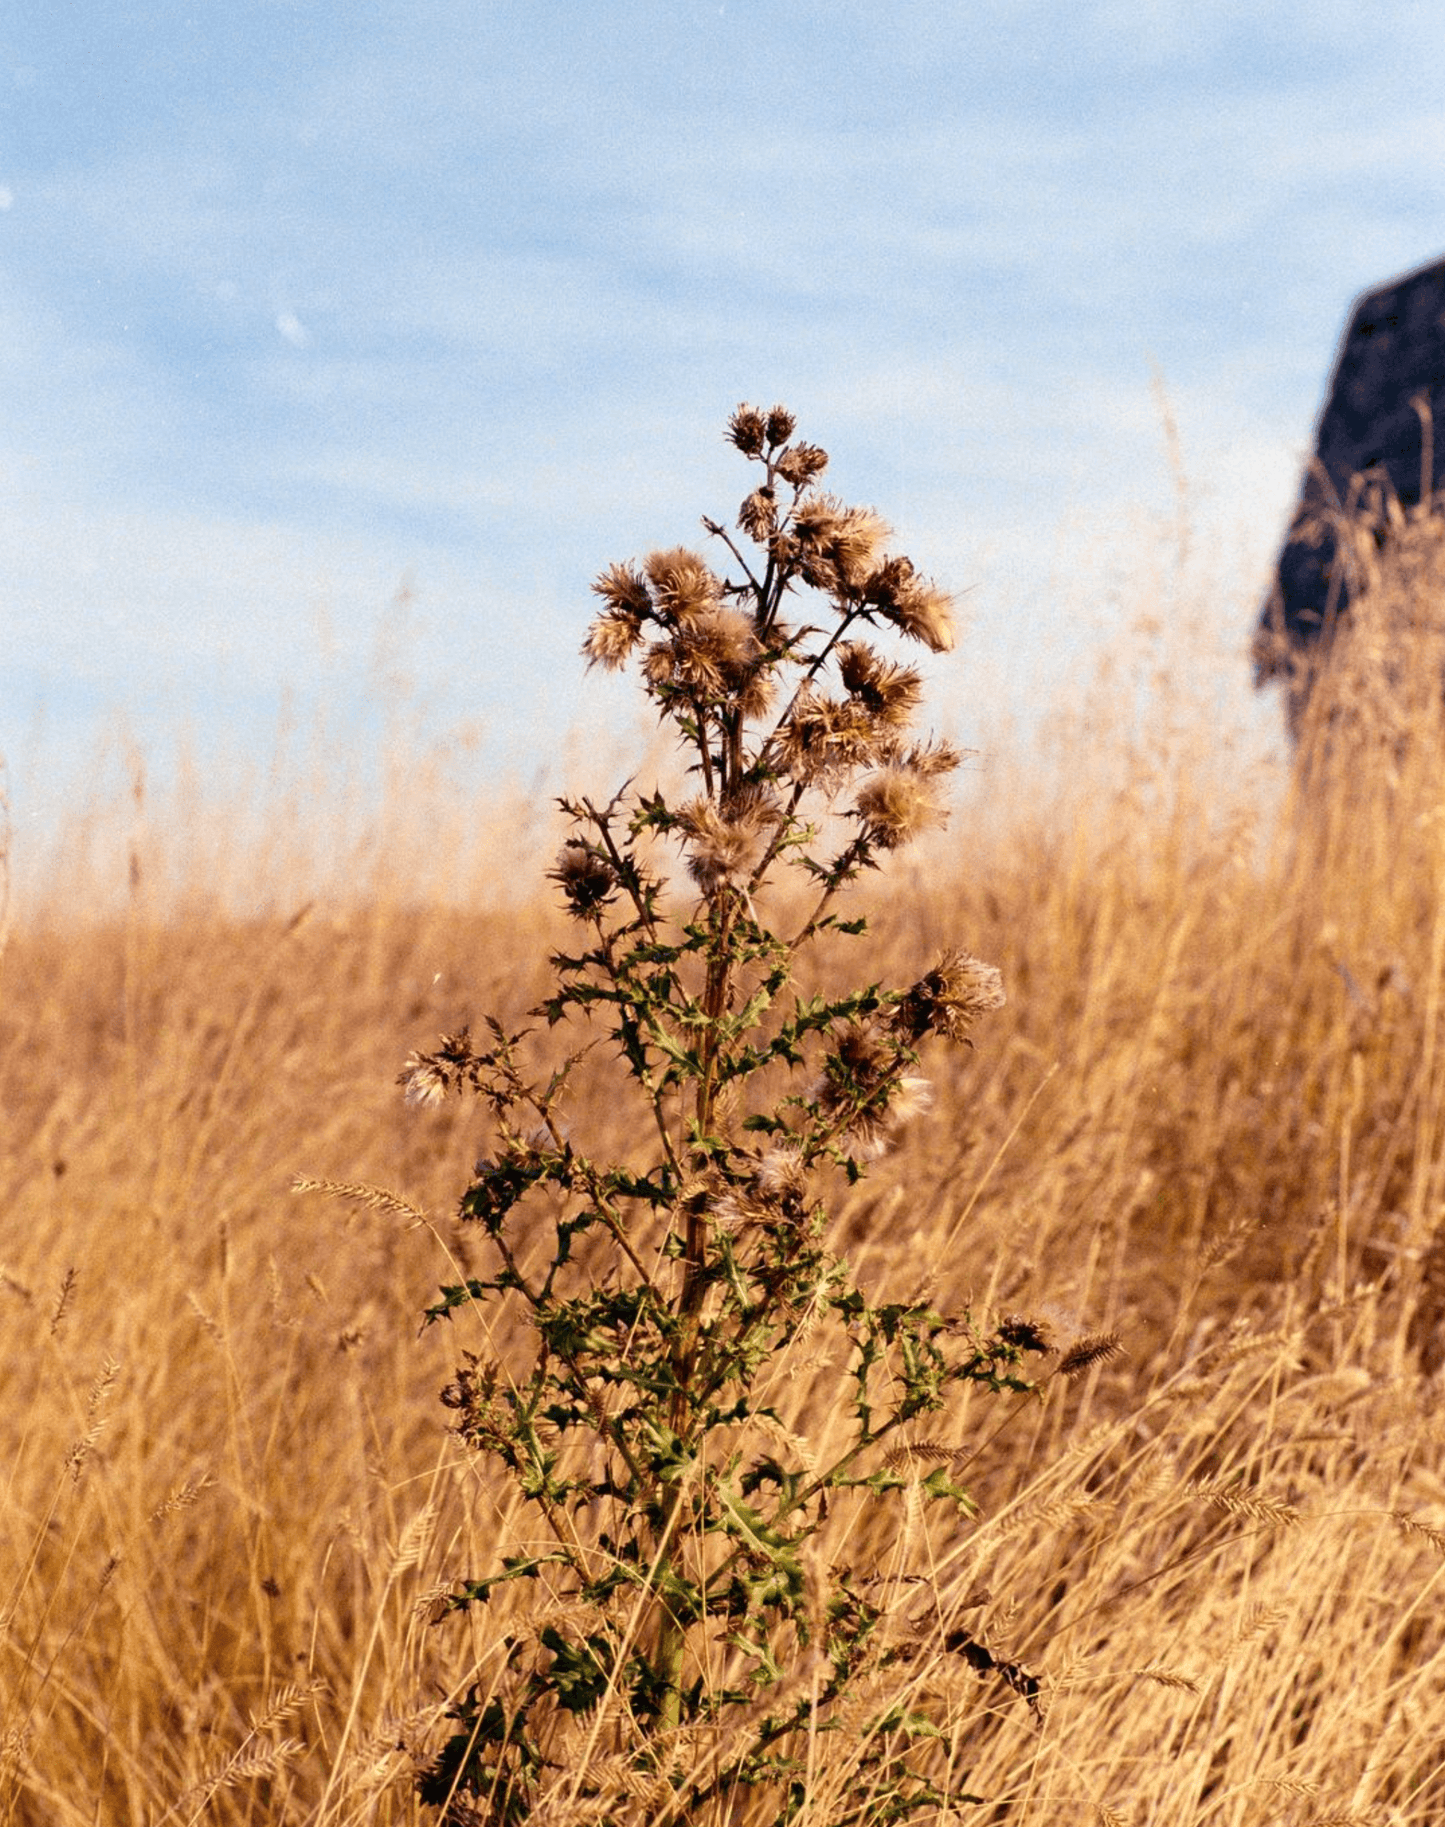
(824,738)
(915,606)
(611,638)
(950,998)
(729,637)
(800,464)
(861,1086)
(1024,1334)
(423,1080)
(777,1188)
(859,1058)
(682,585)
(427,1077)
(588,880)
(753,693)
(852,1087)
(624,588)
(889,692)
(781,1176)
(931,759)
(747,429)
(780,425)
(897,804)
(923,612)
(723,850)
(882,584)
(713,655)
(758,516)
(838,546)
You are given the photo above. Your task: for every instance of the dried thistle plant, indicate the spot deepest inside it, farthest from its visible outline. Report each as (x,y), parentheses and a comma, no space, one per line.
(674,1562)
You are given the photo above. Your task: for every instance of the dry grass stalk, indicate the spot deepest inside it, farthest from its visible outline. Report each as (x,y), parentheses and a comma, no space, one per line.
(373,1198)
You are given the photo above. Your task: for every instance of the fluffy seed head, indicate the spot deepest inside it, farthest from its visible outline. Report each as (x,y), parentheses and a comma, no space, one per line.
(933,759)
(855,1069)
(826,738)
(925,613)
(747,429)
(915,606)
(858,1085)
(855,544)
(838,546)
(423,1081)
(714,655)
(753,693)
(781,1176)
(588,881)
(777,1188)
(682,584)
(611,638)
(758,516)
(950,998)
(896,805)
(910,1099)
(889,692)
(801,463)
(624,588)
(731,637)
(723,851)
(882,584)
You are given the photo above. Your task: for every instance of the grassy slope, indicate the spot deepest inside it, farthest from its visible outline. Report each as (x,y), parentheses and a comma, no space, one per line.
(1211,1119)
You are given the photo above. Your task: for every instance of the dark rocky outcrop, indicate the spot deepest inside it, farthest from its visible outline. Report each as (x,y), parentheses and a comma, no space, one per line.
(1372,431)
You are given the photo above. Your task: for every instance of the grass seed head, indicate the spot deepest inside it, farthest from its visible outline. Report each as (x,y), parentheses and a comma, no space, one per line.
(1093,1348)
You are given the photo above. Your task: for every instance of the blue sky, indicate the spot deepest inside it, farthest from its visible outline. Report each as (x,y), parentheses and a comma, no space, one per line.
(304,306)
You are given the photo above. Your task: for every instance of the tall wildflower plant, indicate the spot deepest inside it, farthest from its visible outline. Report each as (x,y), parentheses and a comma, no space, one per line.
(676,1644)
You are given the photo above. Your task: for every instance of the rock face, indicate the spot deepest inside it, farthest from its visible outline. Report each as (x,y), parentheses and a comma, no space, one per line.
(1393,353)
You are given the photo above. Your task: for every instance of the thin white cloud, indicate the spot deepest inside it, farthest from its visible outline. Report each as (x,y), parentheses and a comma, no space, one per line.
(291,329)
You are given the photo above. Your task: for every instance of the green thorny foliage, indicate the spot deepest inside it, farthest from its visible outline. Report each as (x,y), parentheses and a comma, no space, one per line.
(684,1641)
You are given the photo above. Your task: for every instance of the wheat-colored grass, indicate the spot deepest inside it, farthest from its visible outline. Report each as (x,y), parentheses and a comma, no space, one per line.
(1210,1121)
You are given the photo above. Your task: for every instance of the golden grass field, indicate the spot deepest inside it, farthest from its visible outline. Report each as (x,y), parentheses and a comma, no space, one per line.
(1210,1119)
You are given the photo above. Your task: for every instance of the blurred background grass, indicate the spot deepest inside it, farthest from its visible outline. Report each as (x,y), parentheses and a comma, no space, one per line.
(1211,1119)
